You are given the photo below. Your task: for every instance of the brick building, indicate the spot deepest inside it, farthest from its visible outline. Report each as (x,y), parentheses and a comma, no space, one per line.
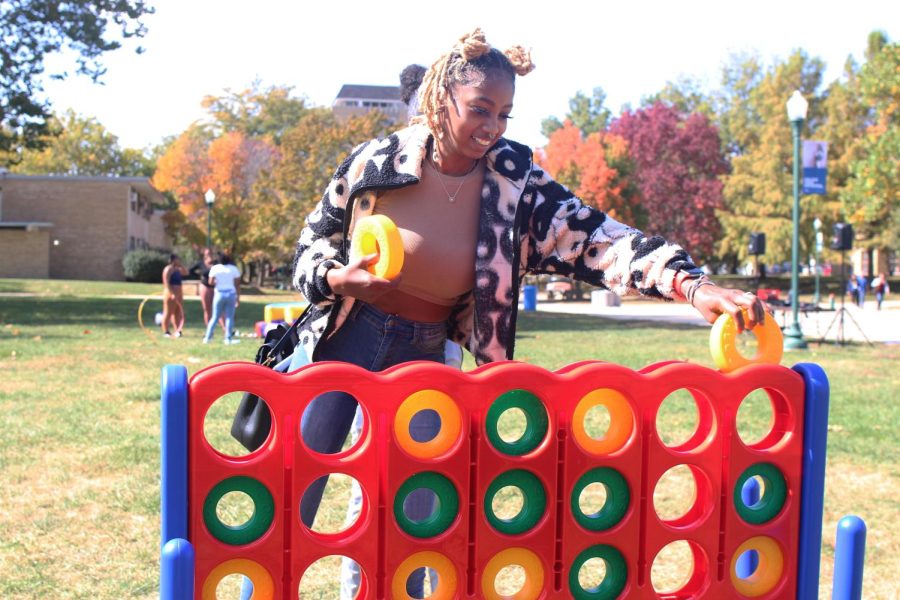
(360,99)
(68,227)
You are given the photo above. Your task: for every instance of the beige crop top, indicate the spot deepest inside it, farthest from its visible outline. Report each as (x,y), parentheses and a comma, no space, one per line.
(439,236)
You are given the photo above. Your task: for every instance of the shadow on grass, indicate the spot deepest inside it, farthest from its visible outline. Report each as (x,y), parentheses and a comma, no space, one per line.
(102,312)
(534,322)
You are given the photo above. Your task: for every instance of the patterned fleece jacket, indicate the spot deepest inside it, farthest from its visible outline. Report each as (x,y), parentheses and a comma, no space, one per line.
(529,224)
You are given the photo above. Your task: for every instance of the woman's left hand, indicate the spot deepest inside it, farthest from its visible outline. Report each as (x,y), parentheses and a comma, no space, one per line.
(713,301)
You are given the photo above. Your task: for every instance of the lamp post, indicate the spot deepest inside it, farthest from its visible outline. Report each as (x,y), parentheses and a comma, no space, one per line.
(210,197)
(817,225)
(796,109)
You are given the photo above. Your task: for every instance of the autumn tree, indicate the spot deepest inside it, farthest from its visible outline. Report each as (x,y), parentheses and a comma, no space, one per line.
(758,193)
(31,31)
(76,145)
(233,166)
(871,199)
(679,163)
(597,168)
(310,153)
(686,95)
(256,112)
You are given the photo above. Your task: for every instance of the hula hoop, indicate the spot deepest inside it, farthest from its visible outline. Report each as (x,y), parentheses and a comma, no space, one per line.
(140,314)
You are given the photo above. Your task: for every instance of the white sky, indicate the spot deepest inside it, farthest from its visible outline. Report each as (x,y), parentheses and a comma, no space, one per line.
(200,47)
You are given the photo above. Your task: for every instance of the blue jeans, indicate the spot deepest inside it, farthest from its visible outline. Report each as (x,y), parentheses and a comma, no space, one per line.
(223,304)
(375,341)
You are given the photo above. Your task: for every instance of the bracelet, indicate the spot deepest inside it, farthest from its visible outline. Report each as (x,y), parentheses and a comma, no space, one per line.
(698,283)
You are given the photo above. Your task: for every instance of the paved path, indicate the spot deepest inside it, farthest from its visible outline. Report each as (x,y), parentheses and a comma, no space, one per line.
(878,326)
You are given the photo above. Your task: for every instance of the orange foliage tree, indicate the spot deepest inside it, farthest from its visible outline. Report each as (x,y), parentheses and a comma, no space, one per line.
(597,168)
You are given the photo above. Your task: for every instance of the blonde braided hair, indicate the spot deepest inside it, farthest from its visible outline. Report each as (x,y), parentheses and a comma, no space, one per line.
(468,62)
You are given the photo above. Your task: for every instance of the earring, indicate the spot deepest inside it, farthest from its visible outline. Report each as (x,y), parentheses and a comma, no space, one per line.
(434,154)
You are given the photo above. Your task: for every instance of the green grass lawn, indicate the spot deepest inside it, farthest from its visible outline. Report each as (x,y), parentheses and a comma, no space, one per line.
(79,428)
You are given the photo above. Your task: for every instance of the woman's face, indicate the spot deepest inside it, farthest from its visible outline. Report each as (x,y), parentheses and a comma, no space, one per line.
(477,116)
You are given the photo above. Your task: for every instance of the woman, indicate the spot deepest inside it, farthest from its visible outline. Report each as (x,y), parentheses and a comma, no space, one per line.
(473,207)
(226,279)
(881,288)
(173,296)
(205,290)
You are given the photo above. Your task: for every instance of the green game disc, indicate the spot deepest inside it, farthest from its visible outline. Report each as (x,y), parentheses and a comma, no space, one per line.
(255,527)
(533,507)
(614,581)
(536,422)
(617,499)
(445,511)
(772,500)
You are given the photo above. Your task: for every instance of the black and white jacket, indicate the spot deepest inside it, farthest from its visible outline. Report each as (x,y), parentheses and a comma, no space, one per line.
(529,224)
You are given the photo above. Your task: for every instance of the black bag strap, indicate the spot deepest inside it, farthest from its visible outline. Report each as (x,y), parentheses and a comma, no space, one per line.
(270,353)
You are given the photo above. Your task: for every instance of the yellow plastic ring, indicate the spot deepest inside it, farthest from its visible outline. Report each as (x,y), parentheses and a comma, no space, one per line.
(451,423)
(377,234)
(263,586)
(768,571)
(723,343)
(446,572)
(621,421)
(530,563)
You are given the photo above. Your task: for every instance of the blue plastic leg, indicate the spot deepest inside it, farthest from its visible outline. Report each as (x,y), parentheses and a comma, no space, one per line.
(849,556)
(812,493)
(748,561)
(176,579)
(174,459)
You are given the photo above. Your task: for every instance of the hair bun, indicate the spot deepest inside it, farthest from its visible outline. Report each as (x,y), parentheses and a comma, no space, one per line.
(473,44)
(520,58)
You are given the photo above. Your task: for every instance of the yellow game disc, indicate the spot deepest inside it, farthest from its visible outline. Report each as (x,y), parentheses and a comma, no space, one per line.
(723,343)
(443,566)
(530,563)
(621,421)
(451,423)
(377,234)
(263,586)
(768,570)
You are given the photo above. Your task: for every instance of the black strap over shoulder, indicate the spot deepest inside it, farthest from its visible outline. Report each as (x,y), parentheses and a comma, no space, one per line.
(253,421)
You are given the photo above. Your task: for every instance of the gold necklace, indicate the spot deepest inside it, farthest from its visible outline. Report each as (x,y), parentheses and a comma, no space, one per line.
(452,197)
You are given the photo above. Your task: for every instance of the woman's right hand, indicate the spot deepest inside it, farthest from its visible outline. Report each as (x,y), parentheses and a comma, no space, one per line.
(355,281)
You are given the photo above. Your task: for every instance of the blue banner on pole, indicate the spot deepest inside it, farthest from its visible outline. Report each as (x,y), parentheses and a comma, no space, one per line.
(815,166)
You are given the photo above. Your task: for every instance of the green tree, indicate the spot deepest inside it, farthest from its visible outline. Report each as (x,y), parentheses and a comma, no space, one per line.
(586,113)
(686,95)
(871,198)
(31,30)
(758,194)
(76,145)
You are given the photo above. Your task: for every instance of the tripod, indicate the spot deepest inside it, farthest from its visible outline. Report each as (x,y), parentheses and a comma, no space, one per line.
(839,317)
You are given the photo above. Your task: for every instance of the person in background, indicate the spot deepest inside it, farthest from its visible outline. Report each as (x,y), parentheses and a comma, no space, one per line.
(880,288)
(173,296)
(205,290)
(226,279)
(861,290)
(474,208)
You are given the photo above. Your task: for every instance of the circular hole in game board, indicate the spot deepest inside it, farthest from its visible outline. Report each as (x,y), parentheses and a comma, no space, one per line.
(231,587)
(679,569)
(591,574)
(511,425)
(509,581)
(508,502)
(763,419)
(320,579)
(427,578)
(597,421)
(592,498)
(317,424)
(747,563)
(682,496)
(420,505)
(218,421)
(684,420)
(235,509)
(424,425)
(336,513)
